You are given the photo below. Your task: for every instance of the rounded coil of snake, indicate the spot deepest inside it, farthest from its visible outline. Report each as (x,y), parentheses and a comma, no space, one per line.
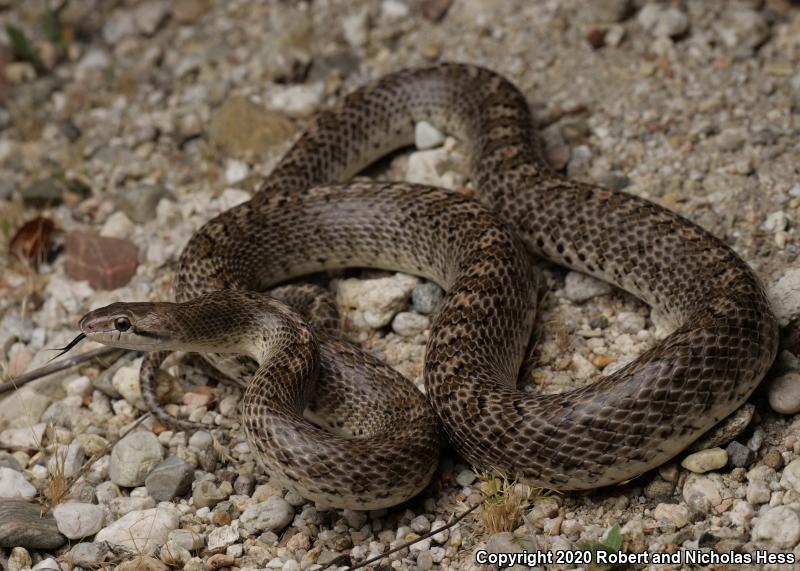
(302,220)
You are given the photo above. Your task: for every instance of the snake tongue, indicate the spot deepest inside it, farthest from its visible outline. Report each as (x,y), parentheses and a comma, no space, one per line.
(68,346)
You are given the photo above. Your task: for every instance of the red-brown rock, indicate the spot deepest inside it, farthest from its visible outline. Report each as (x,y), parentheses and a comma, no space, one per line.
(106,263)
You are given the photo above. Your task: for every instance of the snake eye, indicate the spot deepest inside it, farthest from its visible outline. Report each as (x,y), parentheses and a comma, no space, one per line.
(122,324)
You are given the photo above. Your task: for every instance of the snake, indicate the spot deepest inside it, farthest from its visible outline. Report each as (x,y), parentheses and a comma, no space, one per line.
(306,217)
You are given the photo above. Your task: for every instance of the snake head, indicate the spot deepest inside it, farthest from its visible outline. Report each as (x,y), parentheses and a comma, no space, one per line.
(127,325)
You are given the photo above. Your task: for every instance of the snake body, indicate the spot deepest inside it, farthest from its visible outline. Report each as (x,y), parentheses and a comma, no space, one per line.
(624,424)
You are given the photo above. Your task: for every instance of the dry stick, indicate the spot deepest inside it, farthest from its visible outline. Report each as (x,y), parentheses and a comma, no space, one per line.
(51,368)
(403,546)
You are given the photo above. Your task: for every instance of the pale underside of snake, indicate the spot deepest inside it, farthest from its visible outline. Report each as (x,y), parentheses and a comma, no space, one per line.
(301,221)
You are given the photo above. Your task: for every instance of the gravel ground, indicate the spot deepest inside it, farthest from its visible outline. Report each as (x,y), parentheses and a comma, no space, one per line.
(138,121)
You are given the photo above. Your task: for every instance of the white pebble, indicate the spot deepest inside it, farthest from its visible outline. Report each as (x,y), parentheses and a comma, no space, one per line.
(394,9)
(630,322)
(77,520)
(790,480)
(235,171)
(465,478)
(784,393)
(426,136)
(702,493)
(222,537)
(429,167)
(297,100)
(118,225)
(705,460)
(141,531)
(779,527)
(580,287)
(783,296)
(126,381)
(371,304)
(14,485)
(676,514)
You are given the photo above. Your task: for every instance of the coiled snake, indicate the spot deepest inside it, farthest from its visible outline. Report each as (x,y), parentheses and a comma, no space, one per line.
(300,222)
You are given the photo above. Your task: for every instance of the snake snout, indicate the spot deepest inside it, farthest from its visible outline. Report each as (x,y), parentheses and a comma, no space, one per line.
(120,325)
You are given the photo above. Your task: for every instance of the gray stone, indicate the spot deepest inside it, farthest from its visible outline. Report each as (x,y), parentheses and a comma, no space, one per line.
(424,561)
(201,440)
(580,161)
(43,192)
(608,10)
(740,455)
(133,457)
(150,15)
(274,514)
(77,520)
(48,564)
(172,478)
(355,519)
(408,323)
(7,460)
(174,554)
(89,555)
(465,478)
(140,203)
(120,24)
(420,525)
(126,504)
(731,139)
(426,297)
(69,459)
(207,494)
(614,179)
(244,484)
(743,30)
(23,524)
(187,539)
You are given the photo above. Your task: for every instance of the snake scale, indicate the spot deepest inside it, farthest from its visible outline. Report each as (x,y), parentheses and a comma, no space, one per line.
(304,220)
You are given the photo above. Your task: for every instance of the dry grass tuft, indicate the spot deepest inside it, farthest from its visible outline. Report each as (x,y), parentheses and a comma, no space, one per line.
(502,504)
(57,486)
(504,501)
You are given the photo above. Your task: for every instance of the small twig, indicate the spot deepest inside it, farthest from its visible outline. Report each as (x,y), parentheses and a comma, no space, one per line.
(408,544)
(51,368)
